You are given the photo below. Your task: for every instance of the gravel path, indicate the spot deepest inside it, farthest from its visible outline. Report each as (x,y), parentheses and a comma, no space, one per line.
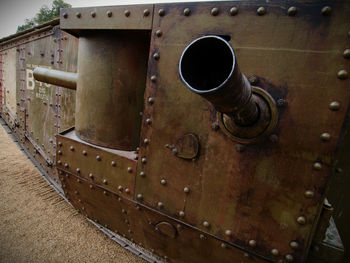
(37,225)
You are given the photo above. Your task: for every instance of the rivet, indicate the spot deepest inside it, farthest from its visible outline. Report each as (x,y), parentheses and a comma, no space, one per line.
(143,160)
(109,13)
(78,180)
(139,197)
(214,11)
(119,199)
(104,192)
(146,141)
(127,13)
(339,170)
(289,258)
(206,224)
(148,121)
(79,201)
(67,175)
(150,100)
(325,136)
(273,138)
(252,243)
(301,220)
(334,106)
(161,12)
(186,190)
(66,165)
(142,173)
(281,103)
(93,14)
(159,33)
(201,236)
(292,11)
(240,147)
(326,11)
(126,221)
(71,148)
(261,11)
(160,205)
(294,244)
(64,186)
(146,12)
(274,252)
(153,78)
(59,143)
(317,166)
(65,15)
(253,80)
(113,163)
(83,208)
(187,11)
(98,158)
(223,245)
(342,74)
(309,194)
(59,152)
(78,15)
(129,170)
(84,152)
(91,186)
(346,53)
(163,182)
(215,126)
(105,181)
(181,213)
(120,188)
(156,56)
(127,190)
(78,170)
(233,11)
(91,175)
(228,233)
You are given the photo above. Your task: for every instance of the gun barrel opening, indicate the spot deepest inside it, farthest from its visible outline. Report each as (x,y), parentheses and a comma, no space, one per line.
(206,64)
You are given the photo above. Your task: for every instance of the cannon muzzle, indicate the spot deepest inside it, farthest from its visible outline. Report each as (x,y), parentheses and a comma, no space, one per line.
(56,77)
(208,67)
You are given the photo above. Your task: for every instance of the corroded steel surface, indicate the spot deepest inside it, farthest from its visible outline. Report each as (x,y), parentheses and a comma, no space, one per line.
(1,66)
(195,194)
(142,225)
(136,17)
(112,69)
(115,170)
(258,193)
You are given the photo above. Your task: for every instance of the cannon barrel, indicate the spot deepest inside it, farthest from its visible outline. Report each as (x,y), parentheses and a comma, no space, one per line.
(56,77)
(208,67)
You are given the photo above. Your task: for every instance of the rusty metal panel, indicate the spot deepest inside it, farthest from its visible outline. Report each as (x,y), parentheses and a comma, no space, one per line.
(111,17)
(114,170)
(67,57)
(265,197)
(9,84)
(166,237)
(41,98)
(1,98)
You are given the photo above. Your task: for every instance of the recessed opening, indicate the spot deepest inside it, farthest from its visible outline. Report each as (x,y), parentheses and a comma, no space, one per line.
(206,63)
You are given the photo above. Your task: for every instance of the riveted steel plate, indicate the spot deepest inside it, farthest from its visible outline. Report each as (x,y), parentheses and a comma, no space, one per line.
(9,83)
(40,97)
(138,224)
(67,57)
(114,170)
(256,192)
(113,17)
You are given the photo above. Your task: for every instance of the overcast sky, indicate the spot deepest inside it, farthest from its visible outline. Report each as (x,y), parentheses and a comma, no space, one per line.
(14,12)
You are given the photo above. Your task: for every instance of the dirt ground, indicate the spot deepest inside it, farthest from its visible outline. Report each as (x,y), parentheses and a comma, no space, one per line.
(37,225)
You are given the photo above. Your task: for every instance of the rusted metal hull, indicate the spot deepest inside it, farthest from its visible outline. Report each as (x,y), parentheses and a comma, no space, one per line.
(155,163)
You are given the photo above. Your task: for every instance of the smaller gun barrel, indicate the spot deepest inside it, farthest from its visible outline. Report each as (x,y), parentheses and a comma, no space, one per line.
(56,77)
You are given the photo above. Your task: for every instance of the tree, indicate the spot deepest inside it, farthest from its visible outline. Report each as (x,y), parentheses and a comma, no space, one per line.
(45,14)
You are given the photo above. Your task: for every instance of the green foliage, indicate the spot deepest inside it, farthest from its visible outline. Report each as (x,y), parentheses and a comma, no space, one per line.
(45,14)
